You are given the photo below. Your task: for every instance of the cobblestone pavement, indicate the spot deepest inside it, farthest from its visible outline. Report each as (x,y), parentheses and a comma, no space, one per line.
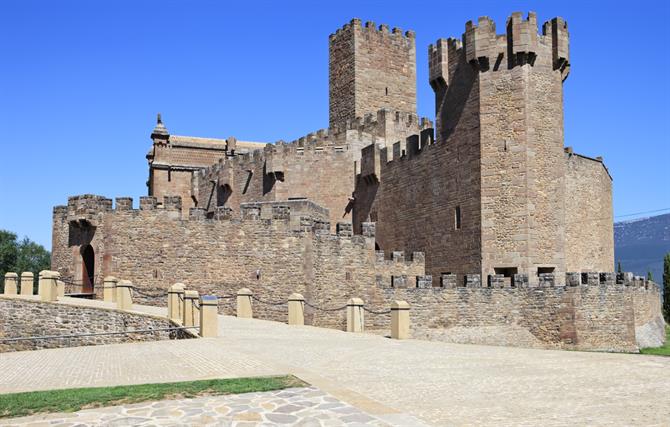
(305,407)
(399,382)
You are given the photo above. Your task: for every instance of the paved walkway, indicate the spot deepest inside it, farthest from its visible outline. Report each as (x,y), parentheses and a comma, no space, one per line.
(298,406)
(399,382)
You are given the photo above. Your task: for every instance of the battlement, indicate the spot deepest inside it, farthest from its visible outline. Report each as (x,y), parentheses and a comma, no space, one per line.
(486,50)
(370,30)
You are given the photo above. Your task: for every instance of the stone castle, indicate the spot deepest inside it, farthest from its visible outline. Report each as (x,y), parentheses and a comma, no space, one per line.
(484,221)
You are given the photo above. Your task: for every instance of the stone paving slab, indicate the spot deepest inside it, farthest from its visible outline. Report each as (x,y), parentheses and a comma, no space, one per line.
(306,406)
(129,363)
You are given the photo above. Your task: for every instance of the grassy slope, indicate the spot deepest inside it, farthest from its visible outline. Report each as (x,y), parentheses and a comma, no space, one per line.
(660,351)
(70,400)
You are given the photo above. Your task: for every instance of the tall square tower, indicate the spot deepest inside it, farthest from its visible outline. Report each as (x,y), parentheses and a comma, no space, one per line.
(370,68)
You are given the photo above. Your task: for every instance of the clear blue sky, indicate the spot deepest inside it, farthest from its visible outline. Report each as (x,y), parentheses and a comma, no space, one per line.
(81,82)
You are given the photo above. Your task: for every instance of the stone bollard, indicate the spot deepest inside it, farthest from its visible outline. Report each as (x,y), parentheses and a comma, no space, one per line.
(124,295)
(209,320)
(244,309)
(400,320)
(355,318)
(191,311)
(296,309)
(48,288)
(27,281)
(175,305)
(60,288)
(109,289)
(10,283)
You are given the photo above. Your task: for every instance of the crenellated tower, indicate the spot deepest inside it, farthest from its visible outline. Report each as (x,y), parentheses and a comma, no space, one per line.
(370,68)
(499,112)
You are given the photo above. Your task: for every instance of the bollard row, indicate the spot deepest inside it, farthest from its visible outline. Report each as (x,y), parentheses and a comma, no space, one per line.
(355,312)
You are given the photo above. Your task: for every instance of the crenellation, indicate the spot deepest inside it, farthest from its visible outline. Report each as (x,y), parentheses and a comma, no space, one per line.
(148,203)
(123,203)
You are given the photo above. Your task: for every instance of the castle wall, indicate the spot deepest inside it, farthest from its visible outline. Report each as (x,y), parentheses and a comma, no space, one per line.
(318,172)
(369,69)
(276,250)
(589,217)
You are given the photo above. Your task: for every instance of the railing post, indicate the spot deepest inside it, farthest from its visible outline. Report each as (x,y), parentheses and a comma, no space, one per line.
(296,309)
(244,309)
(191,314)
(124,296)
(10,283)
(27,282)
(355,319)
(209,321)
(175,306)
(400,320)
(60,288)
(109,289)
(48,288)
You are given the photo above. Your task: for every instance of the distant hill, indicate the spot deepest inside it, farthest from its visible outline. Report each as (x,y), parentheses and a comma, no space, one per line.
(641,244)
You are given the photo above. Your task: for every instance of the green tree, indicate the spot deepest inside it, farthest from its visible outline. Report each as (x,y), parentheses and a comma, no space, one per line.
(650,276)
(19,256)
(666,287)
(618,268)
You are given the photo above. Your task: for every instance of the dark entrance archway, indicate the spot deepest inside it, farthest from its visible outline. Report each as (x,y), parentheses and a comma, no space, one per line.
(87,269)
(223,193)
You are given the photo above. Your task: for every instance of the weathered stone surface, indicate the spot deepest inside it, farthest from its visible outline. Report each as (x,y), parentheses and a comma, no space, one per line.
(29,318)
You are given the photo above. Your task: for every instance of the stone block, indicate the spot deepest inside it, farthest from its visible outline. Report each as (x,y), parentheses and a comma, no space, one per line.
(11,280)
(191,308)
(424,282)
(175,302)
(448,280)
(296,309)
(398,256)
(546,280)
(496,281)
(209,319)
(369,229)
(344,229)
(400,322)
(573,279)
(473,281)
(520,281)
(27,283)
(399,281)
(124,295)
(109,289)
(355,315)
(244,309)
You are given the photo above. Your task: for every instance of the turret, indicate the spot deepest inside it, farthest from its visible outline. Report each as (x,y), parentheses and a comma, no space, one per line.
(160,133)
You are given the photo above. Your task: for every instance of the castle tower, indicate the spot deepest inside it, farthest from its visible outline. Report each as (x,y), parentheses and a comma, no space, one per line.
(370,68)
(499,113)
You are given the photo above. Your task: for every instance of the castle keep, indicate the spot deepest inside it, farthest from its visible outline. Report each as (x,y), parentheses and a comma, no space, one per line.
(482,219)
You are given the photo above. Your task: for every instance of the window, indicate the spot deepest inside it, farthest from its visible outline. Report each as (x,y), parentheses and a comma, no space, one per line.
(387,91)
(542,270)
(457,218)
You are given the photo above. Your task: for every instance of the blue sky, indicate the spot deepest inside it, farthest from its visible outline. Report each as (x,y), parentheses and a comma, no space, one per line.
(82,81)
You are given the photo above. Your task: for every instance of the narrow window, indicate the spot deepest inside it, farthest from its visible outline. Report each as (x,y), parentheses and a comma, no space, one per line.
(387,91)
(543,270)
(457,218)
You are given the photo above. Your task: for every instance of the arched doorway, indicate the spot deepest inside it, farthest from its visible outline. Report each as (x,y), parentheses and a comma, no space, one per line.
(87,269)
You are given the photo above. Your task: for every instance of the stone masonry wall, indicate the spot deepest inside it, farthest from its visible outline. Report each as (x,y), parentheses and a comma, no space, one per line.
(25,318)
(276,256)
(589,216)
(316,171)
(369,69)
